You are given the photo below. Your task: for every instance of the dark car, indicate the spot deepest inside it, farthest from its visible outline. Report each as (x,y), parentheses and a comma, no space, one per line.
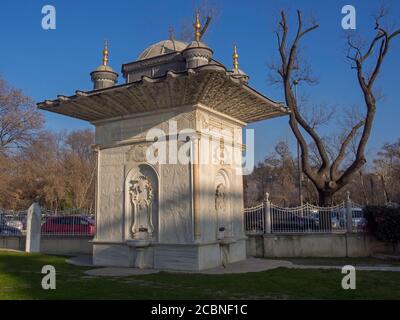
(256,226)
(77,225)
(6,230)
(290,222)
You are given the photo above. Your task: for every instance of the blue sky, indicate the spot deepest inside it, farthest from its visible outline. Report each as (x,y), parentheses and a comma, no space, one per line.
(46,63)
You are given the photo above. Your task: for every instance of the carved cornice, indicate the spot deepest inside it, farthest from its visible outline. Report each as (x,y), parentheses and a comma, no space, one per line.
(210,86)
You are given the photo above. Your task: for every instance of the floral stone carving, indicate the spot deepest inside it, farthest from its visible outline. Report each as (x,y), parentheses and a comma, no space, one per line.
(141,197)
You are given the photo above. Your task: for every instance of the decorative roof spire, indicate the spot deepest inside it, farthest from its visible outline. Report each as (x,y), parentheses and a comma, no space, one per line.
(235,57)
(104,76)
(105,53)
(236,72)
(197,27)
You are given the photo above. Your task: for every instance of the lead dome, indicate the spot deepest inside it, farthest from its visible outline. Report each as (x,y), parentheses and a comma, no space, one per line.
(161,48)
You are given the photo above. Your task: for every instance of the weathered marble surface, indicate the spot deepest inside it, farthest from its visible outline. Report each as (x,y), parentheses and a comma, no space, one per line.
(110,202)
(171,232)
(175,203)
(33,228)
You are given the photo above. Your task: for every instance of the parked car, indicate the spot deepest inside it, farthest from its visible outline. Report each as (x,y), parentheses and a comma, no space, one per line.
(6,230)
(255,226)
(316,215)
(290,222)
(359,220)
(91,218)
(14,220)
(14,223)
(69,225)
(337,221)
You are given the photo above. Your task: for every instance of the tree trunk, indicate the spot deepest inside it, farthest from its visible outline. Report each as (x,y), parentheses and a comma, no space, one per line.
(371,181)
(290,63)
(385,193)
(363,188)
(325,199)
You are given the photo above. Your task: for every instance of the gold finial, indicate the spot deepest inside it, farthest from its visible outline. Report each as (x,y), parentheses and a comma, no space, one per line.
(105,53)
(197,27)
(235,58)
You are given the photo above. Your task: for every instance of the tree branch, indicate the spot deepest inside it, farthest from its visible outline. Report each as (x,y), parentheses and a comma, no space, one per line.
(342,151)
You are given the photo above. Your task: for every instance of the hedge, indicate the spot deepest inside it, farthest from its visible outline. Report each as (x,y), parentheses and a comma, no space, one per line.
(384,223)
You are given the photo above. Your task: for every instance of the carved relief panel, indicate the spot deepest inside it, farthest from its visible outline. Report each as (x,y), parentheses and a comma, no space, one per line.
(141,203)
(222,205)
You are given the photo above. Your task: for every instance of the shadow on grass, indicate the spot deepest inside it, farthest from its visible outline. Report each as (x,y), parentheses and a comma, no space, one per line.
(20,278)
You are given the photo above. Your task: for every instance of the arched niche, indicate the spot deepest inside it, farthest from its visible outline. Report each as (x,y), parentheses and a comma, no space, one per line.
(141,203)
(222,205)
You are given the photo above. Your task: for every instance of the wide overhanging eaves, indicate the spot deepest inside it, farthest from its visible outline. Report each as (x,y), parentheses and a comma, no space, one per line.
(210,85)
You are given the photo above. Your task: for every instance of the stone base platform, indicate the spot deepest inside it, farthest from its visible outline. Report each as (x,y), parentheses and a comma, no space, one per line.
(185,257)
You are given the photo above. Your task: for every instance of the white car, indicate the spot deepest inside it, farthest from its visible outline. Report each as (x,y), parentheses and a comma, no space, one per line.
(15,224)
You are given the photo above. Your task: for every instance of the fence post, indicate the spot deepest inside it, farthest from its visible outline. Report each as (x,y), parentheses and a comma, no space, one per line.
(349,213)
(267,206)
(34,222)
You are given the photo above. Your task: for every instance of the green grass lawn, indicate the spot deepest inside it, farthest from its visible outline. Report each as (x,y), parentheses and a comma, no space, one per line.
(20,278)
(343,261)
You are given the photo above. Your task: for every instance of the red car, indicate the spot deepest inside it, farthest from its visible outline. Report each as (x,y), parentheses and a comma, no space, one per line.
(72,225)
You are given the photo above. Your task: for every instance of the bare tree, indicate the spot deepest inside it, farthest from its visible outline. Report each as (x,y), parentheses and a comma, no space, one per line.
(19,119)
(277,174)
(57,167)
(330,175)
(79,164)
(208,11)
(387,168)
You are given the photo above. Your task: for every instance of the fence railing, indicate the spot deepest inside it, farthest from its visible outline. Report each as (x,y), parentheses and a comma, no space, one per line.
(70,222)
(269,218)
(254,219)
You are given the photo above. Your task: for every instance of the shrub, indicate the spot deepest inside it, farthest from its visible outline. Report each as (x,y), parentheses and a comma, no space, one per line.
(384,223)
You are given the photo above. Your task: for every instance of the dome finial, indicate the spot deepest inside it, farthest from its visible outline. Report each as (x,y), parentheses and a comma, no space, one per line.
(236,72)
(104,76)
(197,27)
(235,57)
(105,53)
